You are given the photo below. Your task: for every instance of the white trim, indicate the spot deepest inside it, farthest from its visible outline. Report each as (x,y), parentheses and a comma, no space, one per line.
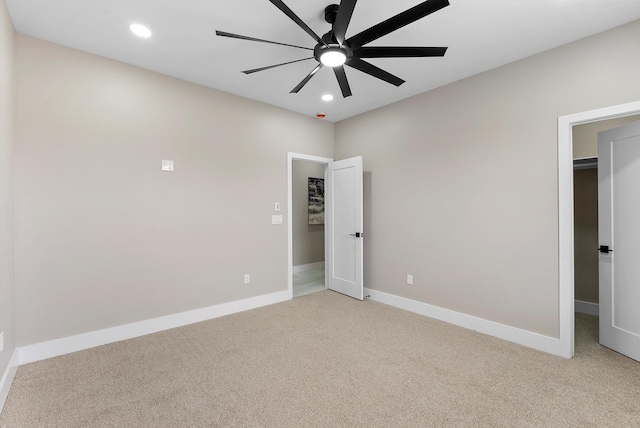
(587,307)
(512,334)
(308,267)
(565,211)
(7,378)
(66,345)
(290,158)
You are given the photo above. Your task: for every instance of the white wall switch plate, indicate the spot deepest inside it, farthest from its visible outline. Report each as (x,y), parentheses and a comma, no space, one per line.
(167,165)
(277,207)
(276,219)
(247,278)
(409,279)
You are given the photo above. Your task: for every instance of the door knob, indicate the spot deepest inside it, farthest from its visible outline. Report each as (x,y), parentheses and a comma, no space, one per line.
(357,234)
(605,249)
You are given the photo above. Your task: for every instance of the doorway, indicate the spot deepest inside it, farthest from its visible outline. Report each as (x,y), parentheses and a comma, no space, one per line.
(566,213)
(308,227)
(585,195)
(306,250)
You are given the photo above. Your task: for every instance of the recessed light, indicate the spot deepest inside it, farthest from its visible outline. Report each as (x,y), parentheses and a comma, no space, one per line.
(140,30)
(327,97)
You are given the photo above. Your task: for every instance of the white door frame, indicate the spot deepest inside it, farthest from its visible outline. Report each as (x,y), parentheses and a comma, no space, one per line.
(290,158)
(565,212)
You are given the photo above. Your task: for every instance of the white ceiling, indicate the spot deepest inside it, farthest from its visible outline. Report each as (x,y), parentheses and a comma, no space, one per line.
(480,34)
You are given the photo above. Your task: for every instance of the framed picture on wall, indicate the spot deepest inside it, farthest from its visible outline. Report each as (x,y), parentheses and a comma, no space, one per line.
(316,200)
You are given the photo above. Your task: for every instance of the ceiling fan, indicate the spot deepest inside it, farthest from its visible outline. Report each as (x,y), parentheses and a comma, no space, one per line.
(335,50)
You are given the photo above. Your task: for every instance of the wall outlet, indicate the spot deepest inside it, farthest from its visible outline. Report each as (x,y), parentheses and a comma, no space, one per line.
(409,279)
(247,278)
(1,341)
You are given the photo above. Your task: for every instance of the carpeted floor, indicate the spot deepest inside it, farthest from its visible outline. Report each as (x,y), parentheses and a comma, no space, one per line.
(325,360)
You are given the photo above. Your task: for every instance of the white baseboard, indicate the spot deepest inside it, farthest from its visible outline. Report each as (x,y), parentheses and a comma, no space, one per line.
(512,334)
(67,345)
(7,378)
(587,308)
(310,266)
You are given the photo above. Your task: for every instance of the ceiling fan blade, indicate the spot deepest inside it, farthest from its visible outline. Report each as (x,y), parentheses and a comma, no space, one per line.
(345,11)
(253,39)
(285,9)
(342,81)
(396,22)
(273,66)
(398,52)
(305,80)
(374,71)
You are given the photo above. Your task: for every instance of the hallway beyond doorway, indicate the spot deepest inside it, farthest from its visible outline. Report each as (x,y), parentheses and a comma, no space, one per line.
(308,281)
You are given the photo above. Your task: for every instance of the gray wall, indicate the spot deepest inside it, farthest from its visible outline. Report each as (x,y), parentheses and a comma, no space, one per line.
(7,102)
(463,183)
(103,236)
(308,239)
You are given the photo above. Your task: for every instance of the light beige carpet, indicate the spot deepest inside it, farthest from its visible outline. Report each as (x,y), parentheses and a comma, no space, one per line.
(325,360)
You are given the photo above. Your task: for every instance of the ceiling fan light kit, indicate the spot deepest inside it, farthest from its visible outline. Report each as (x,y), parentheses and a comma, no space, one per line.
(332,57)
(334,50)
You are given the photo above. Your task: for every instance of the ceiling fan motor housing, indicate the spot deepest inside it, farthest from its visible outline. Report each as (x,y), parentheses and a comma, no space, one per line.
(319,50)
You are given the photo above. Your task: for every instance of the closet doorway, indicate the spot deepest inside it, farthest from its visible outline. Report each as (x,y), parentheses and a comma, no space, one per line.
(585,218)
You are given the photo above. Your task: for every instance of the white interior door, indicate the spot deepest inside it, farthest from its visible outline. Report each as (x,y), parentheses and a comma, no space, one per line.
(619,236)
(343,223)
